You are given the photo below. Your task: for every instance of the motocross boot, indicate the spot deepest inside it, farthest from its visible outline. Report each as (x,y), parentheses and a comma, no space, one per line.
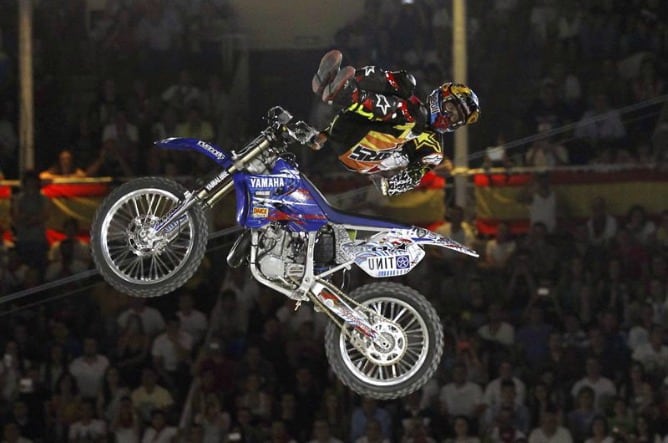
(329,67)
(334,88)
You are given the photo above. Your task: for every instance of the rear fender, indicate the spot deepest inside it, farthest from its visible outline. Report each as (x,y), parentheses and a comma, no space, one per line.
(396,252)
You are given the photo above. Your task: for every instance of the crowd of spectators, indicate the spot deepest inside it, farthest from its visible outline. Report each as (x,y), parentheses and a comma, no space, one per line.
(553,336)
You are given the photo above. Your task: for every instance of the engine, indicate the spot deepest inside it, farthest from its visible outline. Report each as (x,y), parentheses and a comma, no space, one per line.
(282,253)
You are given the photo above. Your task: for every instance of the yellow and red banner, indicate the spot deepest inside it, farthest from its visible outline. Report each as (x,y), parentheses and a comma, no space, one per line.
(496,195)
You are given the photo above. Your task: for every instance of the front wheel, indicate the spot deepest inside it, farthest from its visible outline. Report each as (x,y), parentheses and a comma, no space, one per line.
(130,255)
(412,327)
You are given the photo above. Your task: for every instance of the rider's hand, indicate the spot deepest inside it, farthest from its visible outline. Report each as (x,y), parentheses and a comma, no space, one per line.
(318,141)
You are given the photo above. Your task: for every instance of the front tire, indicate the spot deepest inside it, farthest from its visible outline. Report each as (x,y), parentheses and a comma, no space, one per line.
(413,327)
(129,255)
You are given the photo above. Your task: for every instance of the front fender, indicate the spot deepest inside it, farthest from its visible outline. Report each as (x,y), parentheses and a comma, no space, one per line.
(212,151)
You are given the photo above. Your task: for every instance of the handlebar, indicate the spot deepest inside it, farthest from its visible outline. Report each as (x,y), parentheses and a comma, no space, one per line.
(300,132)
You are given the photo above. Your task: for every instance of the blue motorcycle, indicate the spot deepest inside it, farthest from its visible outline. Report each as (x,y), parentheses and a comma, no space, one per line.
(384,340)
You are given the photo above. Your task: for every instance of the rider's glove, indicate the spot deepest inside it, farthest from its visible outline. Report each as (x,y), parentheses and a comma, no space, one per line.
(404,181)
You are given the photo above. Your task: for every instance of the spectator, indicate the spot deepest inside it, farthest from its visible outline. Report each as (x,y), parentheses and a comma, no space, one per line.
(417,431)
(29,212)
(634,387)
(151,319)
(661,234)
(125,428)
(602,387)
(28,422)
(171,356)
(620,419)
(9,140)
(215,422)
(461,397)
(279,433)
(332,409)
(118,156)
(158,430)
(65,264)
(639,225)
(562,357)
(11,433)
(600,126)
(87,428)
(89,369)
(369,421)
(496,330)
(193,321)
(183,95)
(492,395)
(149,395)
(81,251)
(109,102)
(308,395)
(253,396)
(532,338)
(53,367)
(503,429)
(547,111)
(601,226)
(132,350)
(546,152)
(579,419)
(644,430)
(110,396)
(321,433)
(194,126)
(514,414)
(216,109)
(373,433)
(64,167)
(550,431)
(654,354)
(62,408)
(499,249)
(286,412)
(542,400)
(158,33)
(462,431)
(541,201)
(600,432)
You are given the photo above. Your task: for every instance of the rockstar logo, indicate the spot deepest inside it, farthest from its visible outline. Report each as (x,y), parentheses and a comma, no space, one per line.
(382,103)
(403,262)
(369,70)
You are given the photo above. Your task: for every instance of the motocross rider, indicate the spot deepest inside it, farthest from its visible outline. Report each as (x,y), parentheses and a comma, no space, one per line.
(382,128)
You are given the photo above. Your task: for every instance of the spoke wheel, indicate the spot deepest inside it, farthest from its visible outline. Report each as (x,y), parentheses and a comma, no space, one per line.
(130,254)
(407,356)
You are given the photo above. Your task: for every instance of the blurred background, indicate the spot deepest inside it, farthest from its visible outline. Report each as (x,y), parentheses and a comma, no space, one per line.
(564,185)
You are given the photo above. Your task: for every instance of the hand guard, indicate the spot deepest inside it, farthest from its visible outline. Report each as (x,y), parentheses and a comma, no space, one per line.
(404,181)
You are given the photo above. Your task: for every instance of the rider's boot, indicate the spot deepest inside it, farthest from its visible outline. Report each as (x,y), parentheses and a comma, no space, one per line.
(327,70)
(338,84)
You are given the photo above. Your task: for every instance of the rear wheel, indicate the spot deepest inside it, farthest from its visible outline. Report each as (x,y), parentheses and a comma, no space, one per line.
(130,255)
(413,333)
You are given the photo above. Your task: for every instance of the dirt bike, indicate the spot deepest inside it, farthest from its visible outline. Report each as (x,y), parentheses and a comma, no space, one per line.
(384,340)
